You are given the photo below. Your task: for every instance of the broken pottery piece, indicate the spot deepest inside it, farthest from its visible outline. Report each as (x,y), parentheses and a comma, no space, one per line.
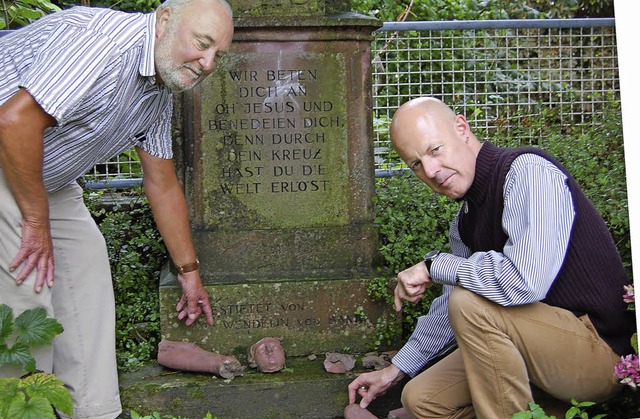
(337,363)
(267,355)
(186,356)
(376,362)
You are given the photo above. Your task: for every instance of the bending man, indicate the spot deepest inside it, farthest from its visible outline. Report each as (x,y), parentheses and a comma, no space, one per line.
(78,87)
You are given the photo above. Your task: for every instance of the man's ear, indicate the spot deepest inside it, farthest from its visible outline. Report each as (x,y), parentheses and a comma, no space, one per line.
(163,16)
(462,126)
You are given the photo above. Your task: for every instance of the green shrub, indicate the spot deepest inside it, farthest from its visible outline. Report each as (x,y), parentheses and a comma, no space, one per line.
(137,254)
(577,410)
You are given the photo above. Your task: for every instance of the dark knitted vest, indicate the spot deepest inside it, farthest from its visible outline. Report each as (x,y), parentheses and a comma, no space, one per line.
(592,276)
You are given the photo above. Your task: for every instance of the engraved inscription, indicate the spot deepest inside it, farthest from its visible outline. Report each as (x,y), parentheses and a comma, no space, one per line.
(277,132)
(281,316)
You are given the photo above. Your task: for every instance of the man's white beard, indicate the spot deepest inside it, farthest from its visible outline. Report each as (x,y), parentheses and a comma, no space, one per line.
(168,70)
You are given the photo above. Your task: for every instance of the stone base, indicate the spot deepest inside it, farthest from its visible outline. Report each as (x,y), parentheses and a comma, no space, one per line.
(303,390)
(309,316)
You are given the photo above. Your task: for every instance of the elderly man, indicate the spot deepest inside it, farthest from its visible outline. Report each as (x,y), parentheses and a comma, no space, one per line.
(78,87)
(531,290)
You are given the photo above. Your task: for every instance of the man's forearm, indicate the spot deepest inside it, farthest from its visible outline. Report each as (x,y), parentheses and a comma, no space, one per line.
(22,123)
(27,188)
(171,215)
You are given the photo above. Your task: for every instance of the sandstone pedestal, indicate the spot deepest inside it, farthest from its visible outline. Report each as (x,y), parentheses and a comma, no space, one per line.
(277,164)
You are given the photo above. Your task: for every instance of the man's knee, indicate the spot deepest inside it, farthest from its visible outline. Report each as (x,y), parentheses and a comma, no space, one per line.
(464,304)
(470,312)
(420,402)
(461,298)
(415,401)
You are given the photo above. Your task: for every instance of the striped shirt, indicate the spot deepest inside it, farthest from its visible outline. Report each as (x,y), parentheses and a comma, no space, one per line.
(537,218)
(92,70)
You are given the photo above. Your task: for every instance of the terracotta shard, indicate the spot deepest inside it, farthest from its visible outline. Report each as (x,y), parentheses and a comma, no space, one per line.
(337,363)
(267,355)
(186,356)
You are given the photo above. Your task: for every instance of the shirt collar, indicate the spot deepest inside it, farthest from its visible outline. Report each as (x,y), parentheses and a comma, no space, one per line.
(147,65)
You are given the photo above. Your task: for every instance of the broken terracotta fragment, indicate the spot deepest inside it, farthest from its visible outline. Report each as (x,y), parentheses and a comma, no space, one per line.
(376,362)
(186,356)
(338,363)
(267,355)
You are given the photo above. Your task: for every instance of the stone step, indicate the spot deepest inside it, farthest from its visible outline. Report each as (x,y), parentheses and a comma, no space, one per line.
(302,390)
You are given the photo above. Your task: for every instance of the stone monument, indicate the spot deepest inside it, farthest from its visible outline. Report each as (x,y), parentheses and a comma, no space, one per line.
(276,157)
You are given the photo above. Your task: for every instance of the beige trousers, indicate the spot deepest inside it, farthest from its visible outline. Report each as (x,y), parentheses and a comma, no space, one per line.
(506,352)
(83,355)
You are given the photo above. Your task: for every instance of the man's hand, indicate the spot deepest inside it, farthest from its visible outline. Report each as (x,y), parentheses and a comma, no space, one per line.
(412,283)
(195,299)
(373,384)
(36,251)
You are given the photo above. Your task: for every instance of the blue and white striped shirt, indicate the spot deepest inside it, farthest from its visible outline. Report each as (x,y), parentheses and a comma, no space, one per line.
(538,217)
(91,69)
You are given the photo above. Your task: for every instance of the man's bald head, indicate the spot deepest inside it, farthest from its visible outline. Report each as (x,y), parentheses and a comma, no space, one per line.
(436,144)
(423,111)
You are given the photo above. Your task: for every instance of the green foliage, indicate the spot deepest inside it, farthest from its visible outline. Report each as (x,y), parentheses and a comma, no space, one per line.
(596,8)
(156,415)
(534,412)
(134,5)
(412,220)
(137,254)
(36,394)
(577,410)
(30,328)
(391,10)
(143,6)
(22,12)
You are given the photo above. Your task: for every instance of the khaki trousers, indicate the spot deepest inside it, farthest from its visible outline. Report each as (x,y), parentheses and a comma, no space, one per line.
(505,352)
(83,355)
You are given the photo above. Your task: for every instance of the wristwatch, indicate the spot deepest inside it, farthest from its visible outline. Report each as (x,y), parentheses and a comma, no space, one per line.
(429,257)
(189,267)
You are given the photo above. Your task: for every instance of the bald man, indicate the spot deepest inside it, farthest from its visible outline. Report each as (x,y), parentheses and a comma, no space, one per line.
(532,290)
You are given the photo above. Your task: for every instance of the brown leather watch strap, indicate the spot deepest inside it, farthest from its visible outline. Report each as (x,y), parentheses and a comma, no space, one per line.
(189,267)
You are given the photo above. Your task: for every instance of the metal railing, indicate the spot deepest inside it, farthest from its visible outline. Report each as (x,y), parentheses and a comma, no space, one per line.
(501,74)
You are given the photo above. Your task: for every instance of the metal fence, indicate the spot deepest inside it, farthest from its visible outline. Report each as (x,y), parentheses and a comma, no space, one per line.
(501,74)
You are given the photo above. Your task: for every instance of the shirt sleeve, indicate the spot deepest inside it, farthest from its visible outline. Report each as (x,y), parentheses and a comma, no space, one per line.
(431,337)
(158,140)
(537,219)
(65,70)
